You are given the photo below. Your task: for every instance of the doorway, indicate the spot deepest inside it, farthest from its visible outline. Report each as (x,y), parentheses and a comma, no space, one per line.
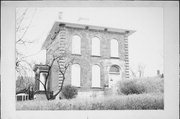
(114,75)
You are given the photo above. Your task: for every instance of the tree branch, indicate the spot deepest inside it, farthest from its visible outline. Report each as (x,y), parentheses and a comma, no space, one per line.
(21,29)
(21,19)
(40,82)
(20,40)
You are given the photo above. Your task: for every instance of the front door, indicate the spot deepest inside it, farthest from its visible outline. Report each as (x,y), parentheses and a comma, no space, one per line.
(113,79)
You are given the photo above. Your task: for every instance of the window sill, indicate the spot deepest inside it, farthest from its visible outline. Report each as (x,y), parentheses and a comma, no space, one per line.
(76,54)
(116,73)
(95,56)
(77,86)
(96,87)
(114,57)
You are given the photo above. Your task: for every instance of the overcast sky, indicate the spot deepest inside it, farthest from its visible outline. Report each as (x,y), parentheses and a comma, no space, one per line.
(145,45)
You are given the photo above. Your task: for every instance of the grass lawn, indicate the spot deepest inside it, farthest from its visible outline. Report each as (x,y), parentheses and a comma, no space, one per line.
(136,94)
(150,101)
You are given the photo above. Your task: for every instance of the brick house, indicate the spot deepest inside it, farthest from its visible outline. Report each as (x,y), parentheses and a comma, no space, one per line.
(100,56)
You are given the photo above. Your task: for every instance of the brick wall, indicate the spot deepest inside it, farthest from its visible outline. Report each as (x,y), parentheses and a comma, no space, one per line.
(85,60)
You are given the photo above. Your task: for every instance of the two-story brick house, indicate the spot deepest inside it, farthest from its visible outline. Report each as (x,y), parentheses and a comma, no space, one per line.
(100,55)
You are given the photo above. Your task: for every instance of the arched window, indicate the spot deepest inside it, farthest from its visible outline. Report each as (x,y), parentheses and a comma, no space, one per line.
(95,76)
(95,46)
(76,44)
(114,48)
(114,69)
(75,75)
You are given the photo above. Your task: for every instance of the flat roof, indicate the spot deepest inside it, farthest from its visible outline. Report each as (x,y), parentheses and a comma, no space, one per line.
(92,27)
(52,33)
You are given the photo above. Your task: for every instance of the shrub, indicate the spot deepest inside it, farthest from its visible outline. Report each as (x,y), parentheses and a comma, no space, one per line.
(130,87)
(69,92)
(23,83)
(123,102)
(139,86)
(152,85)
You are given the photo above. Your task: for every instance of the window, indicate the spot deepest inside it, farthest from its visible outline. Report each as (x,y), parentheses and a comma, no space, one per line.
(114,69)
(114,48)
(75,75)
(95,76)
(95,46)
(42,79)
(76,45)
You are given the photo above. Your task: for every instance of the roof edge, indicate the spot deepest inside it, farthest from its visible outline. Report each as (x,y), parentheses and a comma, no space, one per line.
(84,26)
(93,27)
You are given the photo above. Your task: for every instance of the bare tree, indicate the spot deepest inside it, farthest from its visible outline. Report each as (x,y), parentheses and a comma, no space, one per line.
(61,68)
(24,19)
(141,69)
(133,73)
(24,82)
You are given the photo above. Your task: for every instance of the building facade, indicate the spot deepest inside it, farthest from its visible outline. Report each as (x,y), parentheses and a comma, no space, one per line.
(99,56)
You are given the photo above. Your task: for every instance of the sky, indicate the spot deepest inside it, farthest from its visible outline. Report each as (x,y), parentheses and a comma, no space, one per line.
(145,45)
